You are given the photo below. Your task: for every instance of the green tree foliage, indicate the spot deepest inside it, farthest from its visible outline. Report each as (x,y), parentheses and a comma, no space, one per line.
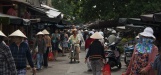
(70,9)
(88,10)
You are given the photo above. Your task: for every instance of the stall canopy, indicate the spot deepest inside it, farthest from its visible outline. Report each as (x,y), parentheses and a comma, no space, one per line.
(134,27)
(136,21)
(130,21)
(147,18)
(11,19)
(58,26)
(51,12)
(48,7)
(157,17)
(45,13)
(104,24)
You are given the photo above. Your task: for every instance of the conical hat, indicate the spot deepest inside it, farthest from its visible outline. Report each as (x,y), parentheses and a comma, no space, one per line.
(18,33)
(2,34)
(45,31)
(97,35)
(40,33)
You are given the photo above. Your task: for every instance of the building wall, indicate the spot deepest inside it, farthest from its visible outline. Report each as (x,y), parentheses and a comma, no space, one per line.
(34,2)
(38,2)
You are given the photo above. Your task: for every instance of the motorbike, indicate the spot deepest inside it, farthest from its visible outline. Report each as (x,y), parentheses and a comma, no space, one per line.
(112,55)
(128,54)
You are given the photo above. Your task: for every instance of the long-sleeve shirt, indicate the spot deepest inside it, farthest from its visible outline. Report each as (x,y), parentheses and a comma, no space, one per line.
(41,45)
(96,51)
(47,41)
(7,64)
(151,57)
(20,54)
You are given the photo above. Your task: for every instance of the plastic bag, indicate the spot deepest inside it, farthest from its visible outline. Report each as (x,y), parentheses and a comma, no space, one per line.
(36,49)
(106,70)
(34,56)
(50,56)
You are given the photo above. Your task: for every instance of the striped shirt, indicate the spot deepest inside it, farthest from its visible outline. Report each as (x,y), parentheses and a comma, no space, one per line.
(7,64)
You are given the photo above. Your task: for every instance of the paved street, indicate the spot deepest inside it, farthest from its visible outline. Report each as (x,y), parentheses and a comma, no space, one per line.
(63,67)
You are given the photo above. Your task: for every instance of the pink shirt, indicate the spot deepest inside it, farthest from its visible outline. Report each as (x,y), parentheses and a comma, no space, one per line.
(150,61)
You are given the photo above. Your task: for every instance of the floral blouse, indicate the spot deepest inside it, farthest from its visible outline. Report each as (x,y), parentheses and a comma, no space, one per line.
(141,61)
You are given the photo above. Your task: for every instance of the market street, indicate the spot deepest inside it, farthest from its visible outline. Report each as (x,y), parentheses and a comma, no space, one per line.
(63,67)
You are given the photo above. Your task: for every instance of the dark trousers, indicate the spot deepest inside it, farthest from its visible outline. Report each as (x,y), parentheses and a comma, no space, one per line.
(45,55)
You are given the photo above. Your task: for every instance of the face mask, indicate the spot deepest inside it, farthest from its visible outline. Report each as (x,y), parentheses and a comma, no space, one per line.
(137,40)
(146,41)
(145,45)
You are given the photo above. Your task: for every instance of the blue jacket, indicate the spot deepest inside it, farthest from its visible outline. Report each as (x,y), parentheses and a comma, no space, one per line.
(20,54)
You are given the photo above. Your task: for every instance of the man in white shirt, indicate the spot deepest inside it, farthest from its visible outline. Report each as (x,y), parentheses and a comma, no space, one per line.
(92,31)
(101,33)
(112,38)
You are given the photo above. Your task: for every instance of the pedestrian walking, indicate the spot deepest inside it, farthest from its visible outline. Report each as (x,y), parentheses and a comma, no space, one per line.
(61,43)
(143,55)
(8,66)
(85,35)
(157,64)
(112,38)
(96,54)
(41,49)
(88,42)
(48,46)
(65,42)
(55,43)
(21,51)
(81,38)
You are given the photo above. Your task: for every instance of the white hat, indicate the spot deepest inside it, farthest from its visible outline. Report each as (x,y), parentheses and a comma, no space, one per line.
(18,33)
(86,30)
(97,35)
(45,31)
(137,37)
(40,33)
(2,34)
(148,32)
(113,32)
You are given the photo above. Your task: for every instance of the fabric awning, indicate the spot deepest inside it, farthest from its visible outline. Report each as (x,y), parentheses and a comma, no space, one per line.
(52,12)
(157,17)
(121,27)
(147,18)
(12,19)
(104,24)
(134,27)
(48,7)
(130,21)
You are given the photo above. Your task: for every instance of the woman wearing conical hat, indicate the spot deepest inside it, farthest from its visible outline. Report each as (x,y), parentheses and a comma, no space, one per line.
(96,54)
(40,49)
(21,51)
(48,46)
